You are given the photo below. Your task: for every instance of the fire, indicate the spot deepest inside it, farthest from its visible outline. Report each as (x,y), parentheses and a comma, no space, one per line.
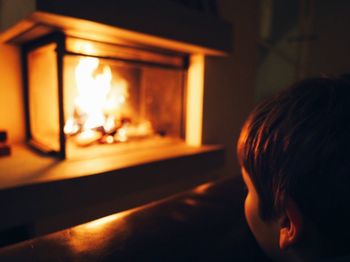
(99,105)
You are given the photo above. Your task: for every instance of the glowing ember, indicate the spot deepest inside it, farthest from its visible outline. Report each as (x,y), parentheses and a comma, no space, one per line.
(87,137)
(71,127)
(121,135)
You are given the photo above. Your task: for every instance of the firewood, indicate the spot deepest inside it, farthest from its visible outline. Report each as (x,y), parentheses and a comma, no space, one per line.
(87,138)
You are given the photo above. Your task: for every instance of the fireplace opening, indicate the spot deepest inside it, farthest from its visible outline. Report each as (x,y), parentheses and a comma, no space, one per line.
(87,97)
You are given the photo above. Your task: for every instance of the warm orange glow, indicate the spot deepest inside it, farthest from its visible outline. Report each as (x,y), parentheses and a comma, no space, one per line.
(103,222)
(82,47)
(43,96)
(95,98)
(11,94)
(99,101)
(87,137)
(100,108)
(191,202)
(202,188)
(96,234)
(100,32)
(15,30)
(195,90)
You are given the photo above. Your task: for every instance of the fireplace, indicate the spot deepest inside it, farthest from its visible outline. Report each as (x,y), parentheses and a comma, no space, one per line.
(106,81)
(119,83)
(88,97)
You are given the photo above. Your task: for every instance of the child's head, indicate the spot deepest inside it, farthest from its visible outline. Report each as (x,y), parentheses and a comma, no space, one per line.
(294,150)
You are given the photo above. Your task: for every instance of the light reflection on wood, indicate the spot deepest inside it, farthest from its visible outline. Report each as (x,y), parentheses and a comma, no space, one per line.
(96,235)
(203,188)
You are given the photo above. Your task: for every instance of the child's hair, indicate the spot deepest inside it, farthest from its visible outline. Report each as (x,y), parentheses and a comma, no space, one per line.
(297,145)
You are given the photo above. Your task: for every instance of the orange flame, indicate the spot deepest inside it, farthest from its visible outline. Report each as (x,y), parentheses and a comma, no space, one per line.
(97,99)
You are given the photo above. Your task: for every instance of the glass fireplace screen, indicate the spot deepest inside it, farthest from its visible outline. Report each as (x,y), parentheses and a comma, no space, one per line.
(83,96)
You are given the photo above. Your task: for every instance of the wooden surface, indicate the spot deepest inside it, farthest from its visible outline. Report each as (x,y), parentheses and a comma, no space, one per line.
(26,167)
(47,195)
(204,224)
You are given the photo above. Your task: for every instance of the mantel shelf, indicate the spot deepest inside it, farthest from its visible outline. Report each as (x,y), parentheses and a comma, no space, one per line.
(41,194)
(25,167)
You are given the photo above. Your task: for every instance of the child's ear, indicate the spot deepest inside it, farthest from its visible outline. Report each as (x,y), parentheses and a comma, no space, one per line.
(291,224)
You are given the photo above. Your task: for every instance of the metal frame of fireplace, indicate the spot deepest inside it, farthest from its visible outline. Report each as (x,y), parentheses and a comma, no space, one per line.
(59,38)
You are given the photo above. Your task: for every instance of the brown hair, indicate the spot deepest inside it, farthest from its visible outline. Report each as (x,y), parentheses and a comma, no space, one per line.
(297,144)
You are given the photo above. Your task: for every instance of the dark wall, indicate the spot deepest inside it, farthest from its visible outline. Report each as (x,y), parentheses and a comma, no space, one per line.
(311,39)
(230,81)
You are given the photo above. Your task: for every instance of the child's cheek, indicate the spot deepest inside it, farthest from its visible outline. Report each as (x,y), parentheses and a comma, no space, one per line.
(249,210)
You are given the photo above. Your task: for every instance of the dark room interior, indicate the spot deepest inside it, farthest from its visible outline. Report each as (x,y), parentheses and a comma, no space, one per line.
(144,169)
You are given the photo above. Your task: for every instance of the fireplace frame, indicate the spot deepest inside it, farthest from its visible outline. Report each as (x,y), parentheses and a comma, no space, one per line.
(60,39)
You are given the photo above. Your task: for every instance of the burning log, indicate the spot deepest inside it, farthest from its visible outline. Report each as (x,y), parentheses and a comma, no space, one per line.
(107,139)
(87,137)
(133,131)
